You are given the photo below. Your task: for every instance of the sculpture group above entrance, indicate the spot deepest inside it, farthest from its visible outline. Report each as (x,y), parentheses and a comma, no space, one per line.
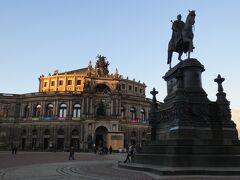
(102,65)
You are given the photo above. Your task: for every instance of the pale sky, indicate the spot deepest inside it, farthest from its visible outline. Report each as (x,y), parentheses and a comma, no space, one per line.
(40,36)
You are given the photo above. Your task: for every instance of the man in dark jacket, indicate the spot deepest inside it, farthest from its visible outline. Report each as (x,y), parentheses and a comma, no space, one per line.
(71,153)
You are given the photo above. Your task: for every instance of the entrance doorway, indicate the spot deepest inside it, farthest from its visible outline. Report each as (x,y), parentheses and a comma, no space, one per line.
(75,143)
(34,143)
(101,136)
(46,143)
(60,144)
(23,143)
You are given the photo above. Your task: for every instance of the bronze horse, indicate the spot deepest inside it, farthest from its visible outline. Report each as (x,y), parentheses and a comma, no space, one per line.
(185,44)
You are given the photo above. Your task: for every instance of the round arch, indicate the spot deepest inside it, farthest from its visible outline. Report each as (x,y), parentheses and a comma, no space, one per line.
(101,136)
(102,89)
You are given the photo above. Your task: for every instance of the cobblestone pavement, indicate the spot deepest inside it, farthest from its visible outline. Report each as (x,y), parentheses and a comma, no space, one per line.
(44,166)
(87,166)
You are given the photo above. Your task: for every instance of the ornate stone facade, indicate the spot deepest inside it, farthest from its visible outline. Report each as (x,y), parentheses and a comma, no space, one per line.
(84,107)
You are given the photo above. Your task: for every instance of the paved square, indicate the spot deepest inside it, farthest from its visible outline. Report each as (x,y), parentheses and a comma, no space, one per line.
(86,166)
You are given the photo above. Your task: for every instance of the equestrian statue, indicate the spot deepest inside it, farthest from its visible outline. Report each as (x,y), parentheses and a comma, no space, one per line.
(182,37)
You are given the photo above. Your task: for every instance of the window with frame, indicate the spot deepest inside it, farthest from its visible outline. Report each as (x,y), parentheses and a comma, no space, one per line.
(122,111)
(141,91)
(133,113)
(60,83)
(123,86)
(63,110)
(76,110)
(38,110)
(52,83)
(114,127)
(143,114)
(69,82)
(60,132)
(49,110)
(78,82)
(129,87)
(45,84)
(136,89)
(75,132)
(26,111)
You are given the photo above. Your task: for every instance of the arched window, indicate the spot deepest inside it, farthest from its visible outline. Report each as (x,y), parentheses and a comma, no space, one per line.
(60,132)
(34,132)
(102,89)
(47,132)
(144,134)
(37,110)
(101,109)
(24,132)
(123,111)
(143,114)
(49,110)
(75,132)
(26,111)
(5,112)
(133,113)
(133,134)
(63,110)
(76,110)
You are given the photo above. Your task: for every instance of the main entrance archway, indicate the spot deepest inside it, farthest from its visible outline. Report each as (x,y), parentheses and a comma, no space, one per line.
(101,136)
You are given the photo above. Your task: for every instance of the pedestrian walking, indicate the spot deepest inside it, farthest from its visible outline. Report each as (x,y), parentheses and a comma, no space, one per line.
(110,150)
(129,154)
(15,149)
(71,153)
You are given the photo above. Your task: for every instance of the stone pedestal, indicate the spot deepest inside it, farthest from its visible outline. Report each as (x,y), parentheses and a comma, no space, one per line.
(189,129)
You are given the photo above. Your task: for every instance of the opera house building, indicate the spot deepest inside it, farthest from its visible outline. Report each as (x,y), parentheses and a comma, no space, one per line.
(83,108)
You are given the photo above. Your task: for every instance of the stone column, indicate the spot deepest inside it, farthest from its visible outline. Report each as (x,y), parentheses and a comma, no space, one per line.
(82,106)
(87,103)
(42,114)
(54,137)
(28,144)
(22,110)
(40,138)
(117,107)
(111,107)
(90,106)
(67,137)
(70,111)
(55,108)
(31,110)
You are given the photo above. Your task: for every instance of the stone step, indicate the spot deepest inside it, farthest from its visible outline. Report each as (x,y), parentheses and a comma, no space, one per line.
(182,160)
(191,149)
(192,142)
(174,171)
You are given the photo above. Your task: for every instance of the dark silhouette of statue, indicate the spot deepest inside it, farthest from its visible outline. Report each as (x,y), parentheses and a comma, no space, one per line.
(182,37)
(177,28)
(102,65)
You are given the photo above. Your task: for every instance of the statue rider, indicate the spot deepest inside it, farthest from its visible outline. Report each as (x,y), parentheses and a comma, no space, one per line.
(177,27)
